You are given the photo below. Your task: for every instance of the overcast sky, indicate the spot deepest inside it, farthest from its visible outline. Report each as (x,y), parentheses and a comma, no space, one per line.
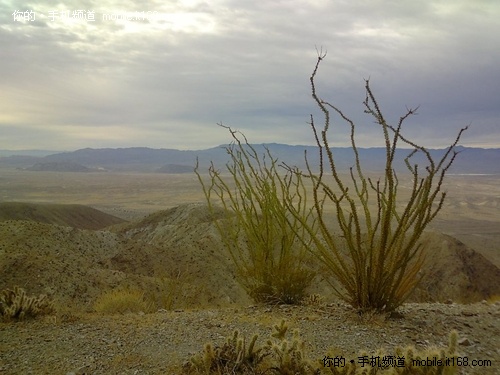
(167,76)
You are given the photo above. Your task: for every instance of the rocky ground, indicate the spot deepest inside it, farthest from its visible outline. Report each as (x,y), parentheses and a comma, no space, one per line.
(160,343)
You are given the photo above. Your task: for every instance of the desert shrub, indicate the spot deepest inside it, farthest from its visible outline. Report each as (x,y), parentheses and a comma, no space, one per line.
(431,361)
(236,356)
(123,300)
(314,300)
(174,289)
(262,236)
(277,356)
(169,291)
(16,305)
(375,257)
(408,361)
(287,356)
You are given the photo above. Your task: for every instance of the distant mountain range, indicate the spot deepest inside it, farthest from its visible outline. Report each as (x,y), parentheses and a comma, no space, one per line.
(59,166)
(469,161)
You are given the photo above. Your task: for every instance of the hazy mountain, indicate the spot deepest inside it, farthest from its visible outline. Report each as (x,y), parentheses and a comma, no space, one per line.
(59,166)
(134,158)
(18,161)
(469,160)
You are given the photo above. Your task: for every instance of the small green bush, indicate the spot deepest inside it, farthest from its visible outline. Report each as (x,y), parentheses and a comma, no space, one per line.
(16,305)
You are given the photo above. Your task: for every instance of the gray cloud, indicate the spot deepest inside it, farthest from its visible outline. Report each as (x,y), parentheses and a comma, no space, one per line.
(167,80)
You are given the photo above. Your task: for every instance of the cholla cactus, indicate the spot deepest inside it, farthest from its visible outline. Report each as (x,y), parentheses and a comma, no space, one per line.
(16,305)
(289,356)
(314,300)
(282,355)
(432,361)
(280,330)
(234,357)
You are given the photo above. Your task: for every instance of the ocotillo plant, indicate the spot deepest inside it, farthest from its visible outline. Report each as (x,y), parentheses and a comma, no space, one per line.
(268,245)
(375,257)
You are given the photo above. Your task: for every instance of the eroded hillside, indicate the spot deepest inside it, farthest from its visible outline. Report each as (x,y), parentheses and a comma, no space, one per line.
(75,266)
(72,215)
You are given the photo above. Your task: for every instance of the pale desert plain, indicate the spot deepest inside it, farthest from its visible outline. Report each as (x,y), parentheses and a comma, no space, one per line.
(167,233)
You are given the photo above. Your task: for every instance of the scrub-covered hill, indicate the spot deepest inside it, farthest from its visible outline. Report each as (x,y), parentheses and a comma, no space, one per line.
(71,215)
(178,251)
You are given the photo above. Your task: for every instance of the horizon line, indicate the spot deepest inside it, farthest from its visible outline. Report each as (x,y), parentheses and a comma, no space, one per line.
(225,145)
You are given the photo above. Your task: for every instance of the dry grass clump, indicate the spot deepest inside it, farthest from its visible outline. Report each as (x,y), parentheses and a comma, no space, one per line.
(165,291)
(175,289)
(123,300)
(285,355)
(17,305)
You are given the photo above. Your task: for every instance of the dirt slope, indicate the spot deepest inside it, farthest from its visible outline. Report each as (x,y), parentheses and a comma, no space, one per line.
(455,272)
(72,215)
(187,237)
(76,266)
(62,262)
